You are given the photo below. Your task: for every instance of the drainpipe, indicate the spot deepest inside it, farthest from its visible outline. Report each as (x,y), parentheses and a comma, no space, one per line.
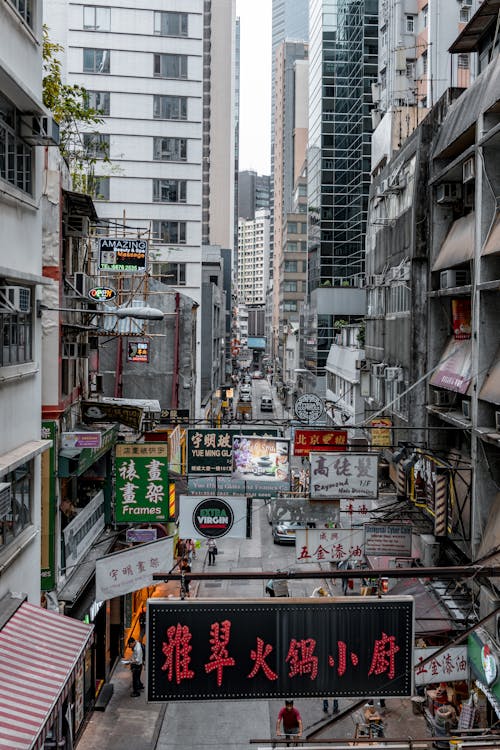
(175,377)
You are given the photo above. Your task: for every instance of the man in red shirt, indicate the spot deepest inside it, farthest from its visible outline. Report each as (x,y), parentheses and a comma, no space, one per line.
(292,721)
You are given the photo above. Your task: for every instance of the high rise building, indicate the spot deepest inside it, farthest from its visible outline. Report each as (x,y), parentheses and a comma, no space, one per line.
(253,258)
(253,193)
(343,65)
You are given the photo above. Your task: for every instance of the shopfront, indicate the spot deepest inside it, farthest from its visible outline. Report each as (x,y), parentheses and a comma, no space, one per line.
(484,658)
(44,679)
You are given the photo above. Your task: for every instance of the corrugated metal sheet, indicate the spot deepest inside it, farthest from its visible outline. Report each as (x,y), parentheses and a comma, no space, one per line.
(491,386)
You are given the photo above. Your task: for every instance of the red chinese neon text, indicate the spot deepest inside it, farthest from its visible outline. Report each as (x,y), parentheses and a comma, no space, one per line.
(259,655)
(177,650)
(219,658)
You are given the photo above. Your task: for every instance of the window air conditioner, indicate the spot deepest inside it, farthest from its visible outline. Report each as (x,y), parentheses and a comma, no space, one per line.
(393,373)
(443,398)
(448,192)
(16,298)
(466,409)
(450,279)
(468,170)
(378,370)
(360,364)
(497,421)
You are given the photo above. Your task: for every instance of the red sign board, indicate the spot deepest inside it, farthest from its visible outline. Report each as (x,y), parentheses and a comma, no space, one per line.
(318,441)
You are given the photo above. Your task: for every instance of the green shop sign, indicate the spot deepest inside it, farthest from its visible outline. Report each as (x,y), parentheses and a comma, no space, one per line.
(141,480)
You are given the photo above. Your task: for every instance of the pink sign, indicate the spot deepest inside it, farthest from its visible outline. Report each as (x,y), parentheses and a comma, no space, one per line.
(74,440)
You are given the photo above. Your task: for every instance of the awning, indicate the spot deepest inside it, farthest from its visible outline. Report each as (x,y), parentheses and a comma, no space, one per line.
(430,618)
(455,367)
(458,245)
(491,386)
(484,18)
(41,651)
(85,571)
(492,244)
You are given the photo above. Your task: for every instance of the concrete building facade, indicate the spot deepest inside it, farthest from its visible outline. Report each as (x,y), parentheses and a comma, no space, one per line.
(253,259)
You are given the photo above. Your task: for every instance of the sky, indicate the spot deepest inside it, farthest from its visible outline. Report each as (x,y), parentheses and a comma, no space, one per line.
(255,84)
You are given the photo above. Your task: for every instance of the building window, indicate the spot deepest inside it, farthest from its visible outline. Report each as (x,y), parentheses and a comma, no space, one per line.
(424,61)
(25,10)
(290,266)
(17,332)
(170,107)
(16,162)
(170,149)
(291,247)
(170,66)
(425,16)
(96,145)
(16,505)
(96,60)
(171,24)
(173,274)
(410,24)
(464,15)
(290,305)
(99,188)
(169,191)
(290,286)
(292,227)
(99,101)
(398,299)
(96,18)
(463,61)
(170,231)
(410,69)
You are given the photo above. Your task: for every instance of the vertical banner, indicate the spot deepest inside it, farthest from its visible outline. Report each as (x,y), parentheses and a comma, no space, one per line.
(141,474)
(49,473)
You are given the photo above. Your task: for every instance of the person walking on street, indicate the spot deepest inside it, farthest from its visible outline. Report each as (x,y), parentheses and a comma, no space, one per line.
(185,568)
(291,719)
(335,705)
(136,666)
(212,551)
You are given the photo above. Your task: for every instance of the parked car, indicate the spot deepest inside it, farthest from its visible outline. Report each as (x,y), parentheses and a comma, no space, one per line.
(284,532)
(266,403)
(257,375)
(245,396)
(245,388)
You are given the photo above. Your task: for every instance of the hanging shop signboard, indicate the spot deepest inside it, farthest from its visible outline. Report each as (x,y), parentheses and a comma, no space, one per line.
(250,649)
(101,294)
(212,517)
(229,486)
(259,458)
(381,432)
(132,569)
(210,451)
(354,512)
(175,416)
(449,666)
(325,441)
(389,539)
(75,440)
(328,545)
(101,411)
(122,255)
(138,351)
(346,476)
(141,478)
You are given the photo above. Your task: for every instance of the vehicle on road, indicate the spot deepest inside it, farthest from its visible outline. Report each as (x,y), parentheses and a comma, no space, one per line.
(266,403)
(245,396)
(257,375)
(245,388)
(284,532)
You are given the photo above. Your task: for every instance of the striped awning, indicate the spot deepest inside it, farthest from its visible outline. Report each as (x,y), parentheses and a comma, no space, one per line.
(39,654)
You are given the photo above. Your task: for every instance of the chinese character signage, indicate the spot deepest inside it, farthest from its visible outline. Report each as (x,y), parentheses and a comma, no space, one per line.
(355,512)
(381,432)
(141,483)
(449,666)
(208,650)
(100,411)
(138,351)
(346,475)
(175,416)
(209,451)
(328,545)
(261,459)
(319,440)
(388,539)
(212,517)
(132,569)
(122,255)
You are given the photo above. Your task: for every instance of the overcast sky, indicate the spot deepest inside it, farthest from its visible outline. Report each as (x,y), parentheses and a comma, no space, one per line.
(255,84)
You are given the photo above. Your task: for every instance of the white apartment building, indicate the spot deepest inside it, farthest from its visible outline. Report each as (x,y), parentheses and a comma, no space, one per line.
(253,258)
(21,115)
(162,74)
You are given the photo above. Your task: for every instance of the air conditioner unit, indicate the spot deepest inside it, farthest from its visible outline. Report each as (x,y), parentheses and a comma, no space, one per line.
(360,364)
(16,298)
(468,170)
(82,283)
(466,409)
(466,4)
(497,421)
(448,192)
(39,130)
(450,279)
(69,350)
(443,398)
(393,373)
(378,370)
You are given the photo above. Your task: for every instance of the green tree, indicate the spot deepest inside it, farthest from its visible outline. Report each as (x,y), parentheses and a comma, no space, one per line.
(70,109)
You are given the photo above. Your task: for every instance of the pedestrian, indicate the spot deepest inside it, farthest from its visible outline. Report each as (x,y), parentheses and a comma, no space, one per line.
(335,705)
(181,549)
(142,623)
(185,567)
(136,666)
(291,719)
(212,551)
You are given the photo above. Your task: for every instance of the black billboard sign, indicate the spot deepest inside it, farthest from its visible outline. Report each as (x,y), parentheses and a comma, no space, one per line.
(210,451)
(211,649)
(120,255)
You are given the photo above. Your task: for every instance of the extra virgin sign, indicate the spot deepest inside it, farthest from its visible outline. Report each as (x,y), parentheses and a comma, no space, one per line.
(213,517)
(212,649)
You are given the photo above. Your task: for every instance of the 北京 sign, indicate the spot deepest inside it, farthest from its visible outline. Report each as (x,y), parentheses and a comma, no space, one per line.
(212,517)
(346,475)
(122,255)
(132,569)
(211,649)
(141,477)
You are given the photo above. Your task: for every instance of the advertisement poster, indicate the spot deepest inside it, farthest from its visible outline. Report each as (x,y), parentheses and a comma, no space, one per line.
(122,255)
(258,458)
(277,648)
(381,432)
(212,517)
(132,569)
(138,351)
(76,440)
(210,451)
(141,478)
(306,441)
(389,539)
(345,476)
(461,318)
(328,545)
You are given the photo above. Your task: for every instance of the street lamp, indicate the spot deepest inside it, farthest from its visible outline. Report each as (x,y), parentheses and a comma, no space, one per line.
(140,313)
